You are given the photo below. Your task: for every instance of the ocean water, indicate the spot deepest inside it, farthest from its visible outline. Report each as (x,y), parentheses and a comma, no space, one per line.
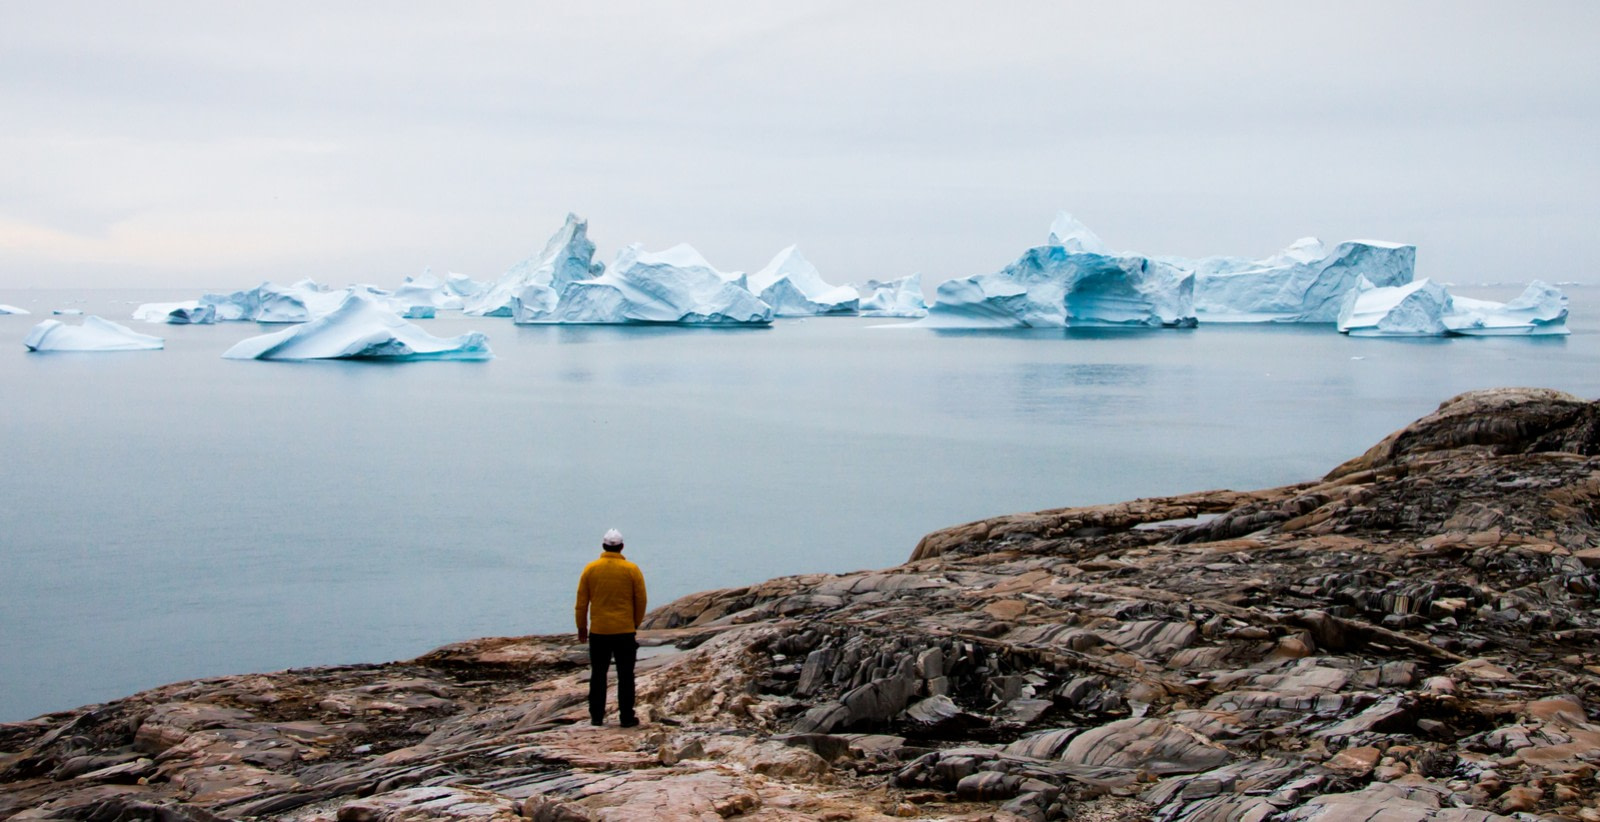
(167,515)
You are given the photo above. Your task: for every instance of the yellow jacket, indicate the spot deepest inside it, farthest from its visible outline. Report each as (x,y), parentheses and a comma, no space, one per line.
(612,589)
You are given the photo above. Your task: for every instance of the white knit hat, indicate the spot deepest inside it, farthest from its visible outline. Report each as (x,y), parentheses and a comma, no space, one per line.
(613,537)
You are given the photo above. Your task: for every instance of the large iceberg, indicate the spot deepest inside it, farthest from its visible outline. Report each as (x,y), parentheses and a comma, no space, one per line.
(672,286)
(1425,309)
(1303,283)
(95,334)
(794,288)
(568,257)
(1072,281)
(183,313)
(11,309)
(892,298)
(360,328)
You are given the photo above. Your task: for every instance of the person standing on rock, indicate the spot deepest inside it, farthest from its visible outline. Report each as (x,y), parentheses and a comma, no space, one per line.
(610,607)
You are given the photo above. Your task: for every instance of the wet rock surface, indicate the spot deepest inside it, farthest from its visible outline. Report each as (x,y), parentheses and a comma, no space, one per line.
(1415,636)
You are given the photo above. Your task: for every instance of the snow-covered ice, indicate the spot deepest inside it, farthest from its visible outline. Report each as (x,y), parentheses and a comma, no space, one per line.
(182,313)
(892,298)
(274,303)
(1426,309)
(1302,283)
(672,286)
(95,334)
(11,309)
(360,328)
(568,257)
(794,288)
(1540,309)
(1071,281)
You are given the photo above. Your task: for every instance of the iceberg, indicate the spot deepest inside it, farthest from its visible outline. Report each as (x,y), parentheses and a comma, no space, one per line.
(1071,281)
(892,298)
(95,334)
(794,288)
(184,313)
(360,328)
(11,309)
(273,303)
(68,312)
(672,286)
(1426,309)
(1075,237)
(1540,309)
(424,296)
(567,258)
(1415,309)
(1302,283)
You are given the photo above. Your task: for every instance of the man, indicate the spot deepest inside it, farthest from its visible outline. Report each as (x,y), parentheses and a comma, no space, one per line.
(610,607)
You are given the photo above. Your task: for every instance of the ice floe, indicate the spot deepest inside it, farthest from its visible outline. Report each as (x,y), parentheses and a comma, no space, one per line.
(360,328)
(1426,309)
(181,313)
(95,334)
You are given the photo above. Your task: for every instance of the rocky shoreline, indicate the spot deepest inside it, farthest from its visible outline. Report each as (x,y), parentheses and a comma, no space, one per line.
(1415,635)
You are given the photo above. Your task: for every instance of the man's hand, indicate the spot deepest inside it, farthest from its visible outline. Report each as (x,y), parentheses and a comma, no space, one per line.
(583,636)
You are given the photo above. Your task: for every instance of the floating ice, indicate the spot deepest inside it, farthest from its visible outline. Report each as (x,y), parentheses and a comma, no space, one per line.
(11,309)
(95,334)
(274,303)
(1070,282)
(422,296)
(1075,237)
(892,298)
(1412,310)
(190,312)
(360,328)
(567,257)
(1540,309)
(68,312)
(1303,283)
(794,288)
(672,286)
(1426,309)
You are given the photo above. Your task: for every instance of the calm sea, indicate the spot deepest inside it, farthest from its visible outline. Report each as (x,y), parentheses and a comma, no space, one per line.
(166,515)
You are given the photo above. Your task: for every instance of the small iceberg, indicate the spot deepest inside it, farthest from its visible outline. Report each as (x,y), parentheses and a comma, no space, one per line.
(95,334)
(67,312)
(892,298)
(11,309)
(185,313)
(1426,309)
(273,303)
(360,329)
(794,288)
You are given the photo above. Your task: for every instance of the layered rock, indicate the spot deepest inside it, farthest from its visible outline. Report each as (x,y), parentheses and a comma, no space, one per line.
(1410,637)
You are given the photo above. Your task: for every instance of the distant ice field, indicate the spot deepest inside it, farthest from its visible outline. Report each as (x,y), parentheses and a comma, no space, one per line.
(171,514)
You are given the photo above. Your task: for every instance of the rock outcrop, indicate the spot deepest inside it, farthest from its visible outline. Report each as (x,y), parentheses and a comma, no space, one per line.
(1413,637)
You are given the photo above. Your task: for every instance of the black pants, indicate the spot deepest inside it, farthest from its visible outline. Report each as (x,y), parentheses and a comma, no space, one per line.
(603,648)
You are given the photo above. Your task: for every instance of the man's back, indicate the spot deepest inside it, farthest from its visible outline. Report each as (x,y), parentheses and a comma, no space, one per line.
(611,594)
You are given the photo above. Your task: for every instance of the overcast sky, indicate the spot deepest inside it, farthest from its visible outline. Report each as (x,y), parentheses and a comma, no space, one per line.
(214,145)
